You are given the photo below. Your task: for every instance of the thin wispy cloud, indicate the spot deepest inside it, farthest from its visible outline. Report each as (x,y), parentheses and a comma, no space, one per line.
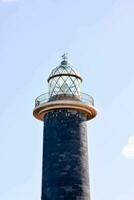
(8,1)
(128,150)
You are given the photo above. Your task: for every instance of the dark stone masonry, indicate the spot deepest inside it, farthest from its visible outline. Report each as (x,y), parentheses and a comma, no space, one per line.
(65,156)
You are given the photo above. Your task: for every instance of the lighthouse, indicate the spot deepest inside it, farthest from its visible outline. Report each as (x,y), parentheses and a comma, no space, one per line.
(64,111)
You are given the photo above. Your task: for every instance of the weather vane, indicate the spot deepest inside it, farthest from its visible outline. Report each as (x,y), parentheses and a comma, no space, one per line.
(65,56)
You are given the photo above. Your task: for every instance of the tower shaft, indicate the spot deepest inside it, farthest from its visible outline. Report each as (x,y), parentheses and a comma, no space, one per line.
(65,156)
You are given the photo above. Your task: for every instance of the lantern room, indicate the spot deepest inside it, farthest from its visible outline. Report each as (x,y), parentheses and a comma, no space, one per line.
(64,80)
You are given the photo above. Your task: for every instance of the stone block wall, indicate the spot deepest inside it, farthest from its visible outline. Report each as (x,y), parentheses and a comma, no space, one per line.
(65,156)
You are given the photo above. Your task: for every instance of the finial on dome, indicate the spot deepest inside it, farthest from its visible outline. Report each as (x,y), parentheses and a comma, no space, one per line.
(65,56)
(64,62)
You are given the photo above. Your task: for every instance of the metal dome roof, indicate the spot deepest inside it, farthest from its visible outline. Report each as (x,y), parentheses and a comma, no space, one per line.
(64,69)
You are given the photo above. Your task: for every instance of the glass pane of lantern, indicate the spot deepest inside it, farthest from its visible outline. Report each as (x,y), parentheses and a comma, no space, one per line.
(64,80)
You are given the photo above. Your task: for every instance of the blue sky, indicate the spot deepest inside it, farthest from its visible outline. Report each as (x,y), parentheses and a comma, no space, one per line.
(98,36)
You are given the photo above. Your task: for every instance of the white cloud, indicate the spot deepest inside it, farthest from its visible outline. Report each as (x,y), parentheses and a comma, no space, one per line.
(126,195)
(128,150)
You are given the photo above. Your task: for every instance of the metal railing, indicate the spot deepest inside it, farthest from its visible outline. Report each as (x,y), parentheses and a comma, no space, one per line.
(45,98)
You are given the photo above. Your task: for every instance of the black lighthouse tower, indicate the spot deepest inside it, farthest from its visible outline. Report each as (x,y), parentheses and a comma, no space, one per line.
(64,111)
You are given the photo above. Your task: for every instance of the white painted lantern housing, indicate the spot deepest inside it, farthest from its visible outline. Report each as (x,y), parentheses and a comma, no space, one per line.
(64,80)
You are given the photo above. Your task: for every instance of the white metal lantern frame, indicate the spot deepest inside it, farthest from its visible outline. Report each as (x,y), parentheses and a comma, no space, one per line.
(64,80)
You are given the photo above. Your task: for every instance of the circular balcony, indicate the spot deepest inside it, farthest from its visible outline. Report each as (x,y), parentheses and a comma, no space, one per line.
(83,102)
(44,98)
